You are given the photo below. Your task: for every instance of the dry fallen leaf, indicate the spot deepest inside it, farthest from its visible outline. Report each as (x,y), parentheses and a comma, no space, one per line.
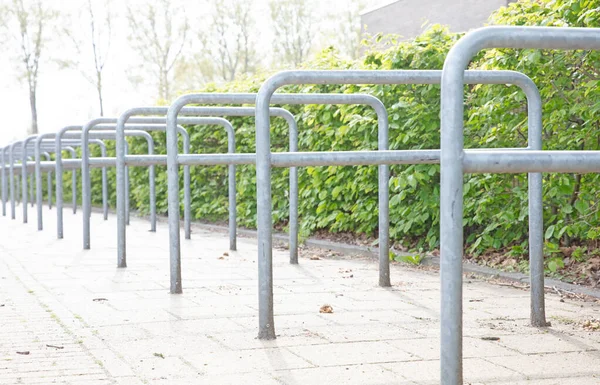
(226,254)
(326,309)
(221,257)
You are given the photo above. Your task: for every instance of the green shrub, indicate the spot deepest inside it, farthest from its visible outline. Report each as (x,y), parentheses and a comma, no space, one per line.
(345,198)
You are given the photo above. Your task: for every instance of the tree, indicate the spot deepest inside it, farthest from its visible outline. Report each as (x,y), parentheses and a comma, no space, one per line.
(232,25)
(93,38)
(293,26)
(347,29)
(26,25)
(158,33)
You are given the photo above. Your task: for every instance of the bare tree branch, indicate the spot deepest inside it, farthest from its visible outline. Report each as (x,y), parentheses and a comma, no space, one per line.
(232,30)
(294,31)
(25,23)
(91,43)
(159,34)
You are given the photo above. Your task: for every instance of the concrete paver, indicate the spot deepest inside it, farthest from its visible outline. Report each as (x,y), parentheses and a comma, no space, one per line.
(84,321)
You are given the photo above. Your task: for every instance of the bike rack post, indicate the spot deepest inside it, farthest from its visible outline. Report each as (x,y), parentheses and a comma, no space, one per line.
(71,151)
(18,188)
(11,159)
(59,176)
(30,185)
(453,168)
(103,154)
(264,156)
(38,177)
(4,181)
(48,158)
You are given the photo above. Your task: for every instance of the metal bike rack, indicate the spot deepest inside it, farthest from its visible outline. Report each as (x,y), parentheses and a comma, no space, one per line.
(86,186)
(59,170)
(47,142)
(187,213)
(154,125)
(15,153)
(293,146)
(406,77)
(110,124)
(4,182)
(24,167)
(455,161)
(265,160)
(108,131)
(238,111)
(49,138)
(181,130)
(232,111)
(244,111)
(150,160)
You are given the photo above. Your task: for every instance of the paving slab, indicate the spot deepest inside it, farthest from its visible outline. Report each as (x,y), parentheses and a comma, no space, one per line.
(71,316)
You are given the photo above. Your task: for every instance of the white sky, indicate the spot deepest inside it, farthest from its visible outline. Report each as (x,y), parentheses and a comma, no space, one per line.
(65,97)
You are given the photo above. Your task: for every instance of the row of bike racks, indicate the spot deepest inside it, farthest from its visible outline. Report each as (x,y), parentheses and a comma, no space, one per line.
(454,159)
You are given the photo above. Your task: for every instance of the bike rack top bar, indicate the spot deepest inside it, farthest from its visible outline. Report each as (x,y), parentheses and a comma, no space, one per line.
(515,162)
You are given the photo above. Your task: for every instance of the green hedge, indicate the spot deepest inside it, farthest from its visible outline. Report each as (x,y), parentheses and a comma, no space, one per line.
(345,198)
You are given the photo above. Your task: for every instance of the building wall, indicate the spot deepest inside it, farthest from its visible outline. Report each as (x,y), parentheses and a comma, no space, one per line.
(409,18)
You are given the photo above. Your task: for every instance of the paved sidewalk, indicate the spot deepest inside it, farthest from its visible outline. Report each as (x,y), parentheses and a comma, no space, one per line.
(83,321)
